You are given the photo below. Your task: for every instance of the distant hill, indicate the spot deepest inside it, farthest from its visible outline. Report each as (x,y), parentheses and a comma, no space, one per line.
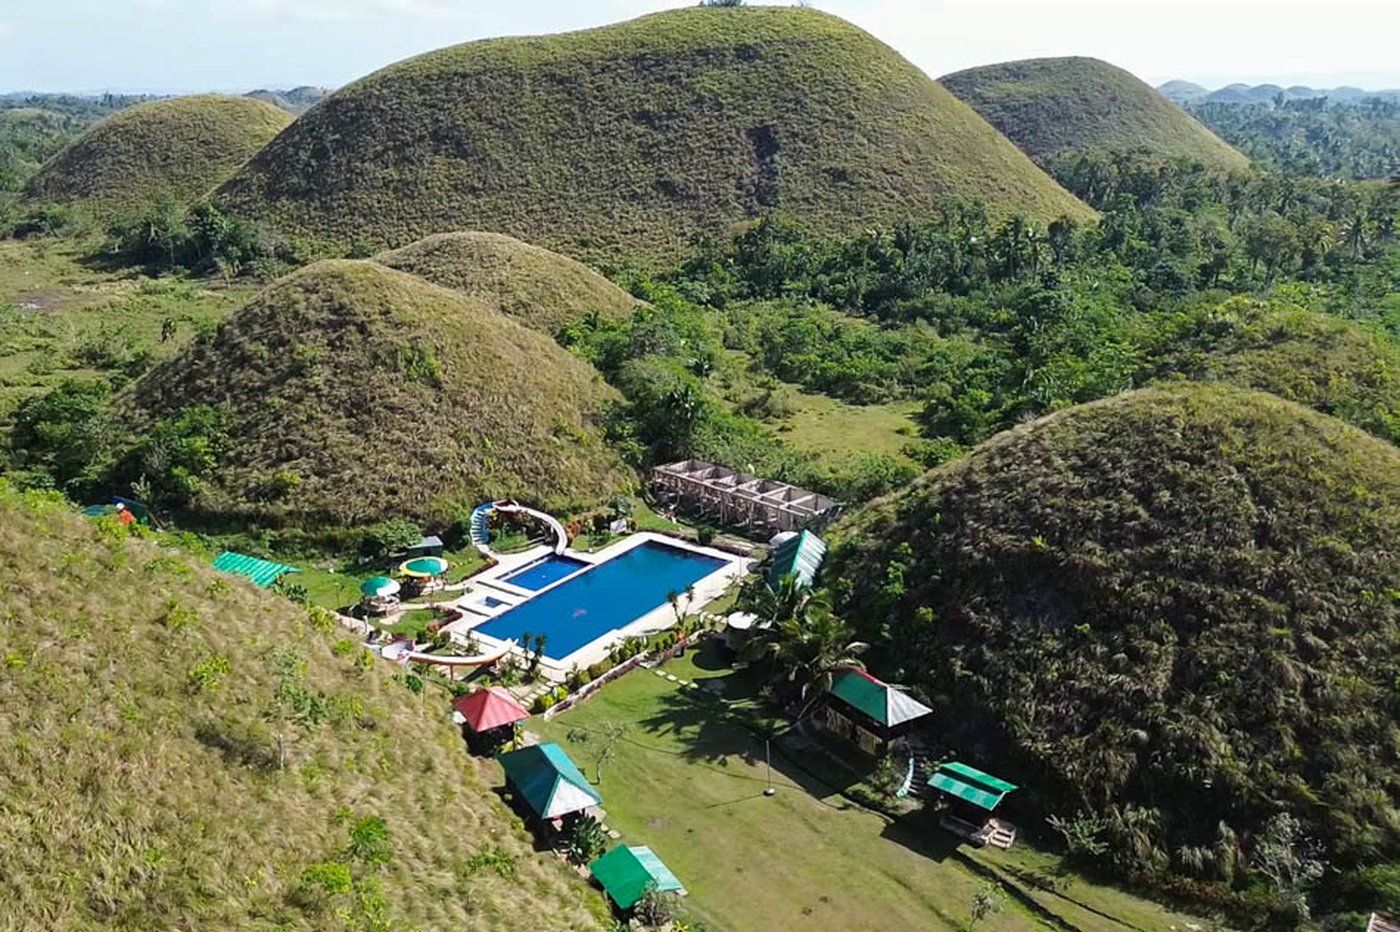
(350,392)
(141,700)
(1055,106)
(630,139)
(539,288)
(1170,614)
(1186,92)
(180,148)
(296,100)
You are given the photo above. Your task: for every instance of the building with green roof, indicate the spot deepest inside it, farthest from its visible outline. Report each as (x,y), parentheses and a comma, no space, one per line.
(868,711)
(627,872)
(548,782)
(972,796)
(799,556)
(263,573)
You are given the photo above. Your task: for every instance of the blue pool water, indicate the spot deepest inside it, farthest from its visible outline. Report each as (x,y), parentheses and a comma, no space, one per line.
(611,595)
(545,571)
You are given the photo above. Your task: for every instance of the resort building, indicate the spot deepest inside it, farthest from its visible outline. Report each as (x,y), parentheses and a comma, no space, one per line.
(869,712)
(798,555)
(489,713)
(730,497)
(972,796)
(548,783)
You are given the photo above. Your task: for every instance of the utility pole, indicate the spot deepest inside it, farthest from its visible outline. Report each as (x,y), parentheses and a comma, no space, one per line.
(768,759)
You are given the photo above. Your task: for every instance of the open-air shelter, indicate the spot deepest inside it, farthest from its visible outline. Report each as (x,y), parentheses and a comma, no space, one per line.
(627,872)
(548,782)
(869,711)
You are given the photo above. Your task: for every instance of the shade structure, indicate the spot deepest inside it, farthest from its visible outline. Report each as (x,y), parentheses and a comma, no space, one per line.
(489,708)
(424,567)
(628,871)
(799,556)
(881,701)
(970,785)
(548,780)
(263,573)
(379,586)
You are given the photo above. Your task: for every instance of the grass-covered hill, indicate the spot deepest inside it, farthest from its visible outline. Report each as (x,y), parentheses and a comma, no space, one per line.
(179,148)
(141,698)
(348,392)
(1057,106)
(539,288)
(1331,365)
(629,139)
(1174,611)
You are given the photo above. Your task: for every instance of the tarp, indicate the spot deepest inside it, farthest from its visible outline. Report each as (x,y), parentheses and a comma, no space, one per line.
(881,701)
(550,783)
(627,871)
(977,776)
(263,573)
(800,556)
(489,708)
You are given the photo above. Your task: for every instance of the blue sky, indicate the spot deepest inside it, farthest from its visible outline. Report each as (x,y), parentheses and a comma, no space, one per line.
(234,45)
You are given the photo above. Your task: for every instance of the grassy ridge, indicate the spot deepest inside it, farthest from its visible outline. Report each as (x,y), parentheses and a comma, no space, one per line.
(179,148)
(140,782)
(629,139)
(541,289)
(1173,609)
(349,391)
(1053,106)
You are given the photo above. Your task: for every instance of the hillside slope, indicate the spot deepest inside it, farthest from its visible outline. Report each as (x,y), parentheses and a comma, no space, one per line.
(180,148)
(141,789)
(1174,609)
(1055,106)
(629,139)
(348,392)
(541,289)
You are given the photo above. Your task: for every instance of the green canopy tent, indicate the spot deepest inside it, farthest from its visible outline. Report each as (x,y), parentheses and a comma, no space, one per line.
(628,871)
(263,573)
(970,785)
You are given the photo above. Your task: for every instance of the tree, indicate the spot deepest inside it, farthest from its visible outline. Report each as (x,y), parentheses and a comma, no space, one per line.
(63,433)
(806,650)
(584,840)
(985,902)
(1282,855)
(295,705)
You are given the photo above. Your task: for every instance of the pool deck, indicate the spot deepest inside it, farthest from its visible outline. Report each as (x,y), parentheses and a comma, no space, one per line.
(490,584)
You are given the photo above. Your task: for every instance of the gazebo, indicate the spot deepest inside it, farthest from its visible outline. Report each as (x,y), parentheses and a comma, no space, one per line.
(798,555)
(868,711)
(627,872)
(548,783)
(423,574)
(487,713)
(973,796)
(379,594)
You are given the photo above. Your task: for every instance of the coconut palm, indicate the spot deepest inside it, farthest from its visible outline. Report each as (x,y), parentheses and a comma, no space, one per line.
(770,605)
(806,650)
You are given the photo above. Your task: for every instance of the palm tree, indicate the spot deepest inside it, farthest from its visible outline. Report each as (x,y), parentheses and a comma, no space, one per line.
(806,650)
(772,606)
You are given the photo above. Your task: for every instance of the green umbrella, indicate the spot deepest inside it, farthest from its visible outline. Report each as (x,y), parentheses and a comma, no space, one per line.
(424,566)
(379,586)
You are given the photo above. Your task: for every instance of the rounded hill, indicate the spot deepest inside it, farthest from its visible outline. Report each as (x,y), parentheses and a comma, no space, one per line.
(629,139)
(347,392)
(539,288)
(1172,613)
(204,755)
(180,148)
(1056,106)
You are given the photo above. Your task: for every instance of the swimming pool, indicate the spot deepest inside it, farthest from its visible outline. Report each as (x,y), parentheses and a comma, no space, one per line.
(603,598)
(544,572)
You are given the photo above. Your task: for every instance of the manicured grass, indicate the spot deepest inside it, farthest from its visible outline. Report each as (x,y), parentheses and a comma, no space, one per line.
(837,431)
(687,777)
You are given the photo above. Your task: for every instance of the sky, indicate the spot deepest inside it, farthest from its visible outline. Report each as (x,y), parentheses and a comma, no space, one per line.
(177,46)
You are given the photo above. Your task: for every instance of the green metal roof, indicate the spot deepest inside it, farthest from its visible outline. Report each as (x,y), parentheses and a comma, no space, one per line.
(263,573)
(550,782)
(978,776)
(880,701)
(627,871)
(970,784)
(799,556)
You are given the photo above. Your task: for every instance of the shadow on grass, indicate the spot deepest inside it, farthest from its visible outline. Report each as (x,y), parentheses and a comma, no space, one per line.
(710,656)
(920,833)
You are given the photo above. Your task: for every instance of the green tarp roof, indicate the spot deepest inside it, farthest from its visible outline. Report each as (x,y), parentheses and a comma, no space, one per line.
(548,780)
(880,701)
(970,785)
(627,871)
(799,556)
(262,572)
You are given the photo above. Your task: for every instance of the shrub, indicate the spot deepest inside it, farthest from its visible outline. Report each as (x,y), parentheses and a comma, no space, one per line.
(584,840)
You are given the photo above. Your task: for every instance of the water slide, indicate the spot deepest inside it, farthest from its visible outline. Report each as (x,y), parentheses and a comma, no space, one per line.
(398,651)
(481,538)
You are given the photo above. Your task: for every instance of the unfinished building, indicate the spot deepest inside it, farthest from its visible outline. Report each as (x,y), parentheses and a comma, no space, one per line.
(729,497)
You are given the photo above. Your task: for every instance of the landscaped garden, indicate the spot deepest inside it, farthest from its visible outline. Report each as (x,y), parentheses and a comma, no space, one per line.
(682,769)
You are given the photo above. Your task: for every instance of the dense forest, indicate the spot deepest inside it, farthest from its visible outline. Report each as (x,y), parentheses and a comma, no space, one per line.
(1317,137)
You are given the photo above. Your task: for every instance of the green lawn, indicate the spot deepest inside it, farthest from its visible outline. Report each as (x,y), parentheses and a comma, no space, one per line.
(686,777)
(836,430)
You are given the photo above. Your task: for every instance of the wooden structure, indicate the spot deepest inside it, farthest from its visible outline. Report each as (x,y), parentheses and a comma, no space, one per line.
(871,713)
(730,497)
(972,796)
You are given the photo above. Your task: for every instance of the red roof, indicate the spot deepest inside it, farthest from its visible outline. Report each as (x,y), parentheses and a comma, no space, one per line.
(489,708)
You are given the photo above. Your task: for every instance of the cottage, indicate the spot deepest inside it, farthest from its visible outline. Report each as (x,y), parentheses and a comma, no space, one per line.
(548,783)
(871,713)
